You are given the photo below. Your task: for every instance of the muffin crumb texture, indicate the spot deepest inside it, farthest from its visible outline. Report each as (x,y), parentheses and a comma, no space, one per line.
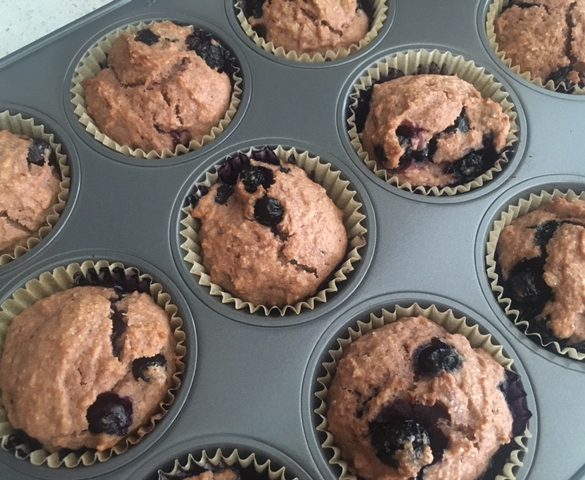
(269,234)
(545,38)
(164,86)
(541,257)
(410,400)
(29,185)
(434,130)
(84,367)
(312,26)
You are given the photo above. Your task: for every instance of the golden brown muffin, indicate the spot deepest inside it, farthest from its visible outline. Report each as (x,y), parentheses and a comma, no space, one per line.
(84,367)
(29,185)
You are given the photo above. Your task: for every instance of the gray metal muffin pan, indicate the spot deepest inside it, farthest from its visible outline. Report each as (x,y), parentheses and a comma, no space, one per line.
(250,379)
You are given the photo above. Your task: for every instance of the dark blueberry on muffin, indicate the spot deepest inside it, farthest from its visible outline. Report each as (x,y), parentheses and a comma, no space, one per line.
(110,414)
(140,366)
(435,358)
(147,36)
(268,211)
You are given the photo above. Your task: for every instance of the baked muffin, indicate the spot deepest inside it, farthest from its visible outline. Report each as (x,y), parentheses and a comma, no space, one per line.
(165,85)
(269,235)
(86,366)
(29,185)
(433,130)
(211,474)
(541,260)
(410,400)
(545,38)
(311,26)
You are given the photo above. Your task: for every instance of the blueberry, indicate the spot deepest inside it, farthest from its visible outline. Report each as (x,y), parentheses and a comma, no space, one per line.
(526,286)
(147,36)
(284,170)
(252,177)
(394,437)
(461,124)
(37,152)
(266,155)
(203,190)
(110,414)
(213,53)
(472,165)
(141,365)
(224,192)
(544,232)
(230,170)
(561,81)
(180,137)
(268,211)
(118,330)
(436,358)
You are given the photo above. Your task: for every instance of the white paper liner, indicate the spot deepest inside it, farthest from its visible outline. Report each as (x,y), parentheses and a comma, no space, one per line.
(449,322)
(19,125)
(522,207)
(408,63)
(380,12)
(60,279)
(92,63)
(493,12)
(344,198)
(232,459)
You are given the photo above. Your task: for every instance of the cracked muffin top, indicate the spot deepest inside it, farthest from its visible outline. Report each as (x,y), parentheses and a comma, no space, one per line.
(269,234)
(312,26)
(410,400)
(545,38)
(433,130)
(541,257)
(86,366)
(165,85)
(29,185)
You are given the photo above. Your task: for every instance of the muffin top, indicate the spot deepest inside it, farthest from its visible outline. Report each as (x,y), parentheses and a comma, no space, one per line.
(165,85)
(269,234)
(545,38)
(541,256)
(410,396)
(312,26)
(434,130)
(29,185)
(226,474)
(85,366)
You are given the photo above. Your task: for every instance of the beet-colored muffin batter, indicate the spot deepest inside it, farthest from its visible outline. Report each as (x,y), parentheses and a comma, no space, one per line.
(269,234)
(164,86)
(411,397)
(84,367)
(545,38)
(434,130)
(29,185)
(541,256)
(312,26)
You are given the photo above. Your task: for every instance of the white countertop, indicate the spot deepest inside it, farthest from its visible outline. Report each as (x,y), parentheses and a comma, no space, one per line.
(24,21)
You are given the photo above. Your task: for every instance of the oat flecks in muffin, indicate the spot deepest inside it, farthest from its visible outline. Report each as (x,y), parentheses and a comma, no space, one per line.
(29,185)
(164,86)
(269,234)
(393,416)
(541,256)
(434,130)
(545,38)
(312,26)
(66,373)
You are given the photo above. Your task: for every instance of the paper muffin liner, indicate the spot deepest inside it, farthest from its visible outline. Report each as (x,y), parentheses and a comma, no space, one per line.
(338,189)
(48,283)
(19,125)
(496,7)
(539,335)
(517,448)
(218,459)
(412,62)
(377,19)
(93,62)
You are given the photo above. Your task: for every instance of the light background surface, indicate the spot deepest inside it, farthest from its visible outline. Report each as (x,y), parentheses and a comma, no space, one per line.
(24,21)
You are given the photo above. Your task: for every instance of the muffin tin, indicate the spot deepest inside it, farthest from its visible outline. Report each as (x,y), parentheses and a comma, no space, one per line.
(250,379)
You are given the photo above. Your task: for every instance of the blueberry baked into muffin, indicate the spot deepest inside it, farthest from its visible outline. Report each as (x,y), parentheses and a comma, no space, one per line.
(86,366)
(431,129)
(545,38)
(29,185)
(541,260)
(410,400)
(269,234)
(165,85)
(309,26)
